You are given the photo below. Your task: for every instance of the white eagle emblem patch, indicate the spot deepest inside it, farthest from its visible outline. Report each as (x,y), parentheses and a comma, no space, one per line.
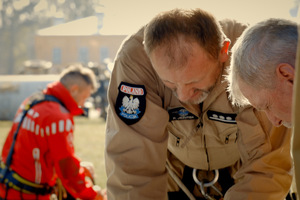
(130,105)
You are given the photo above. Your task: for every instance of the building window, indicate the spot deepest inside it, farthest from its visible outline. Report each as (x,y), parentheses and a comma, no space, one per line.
(56,55)
(104,53)
(83,55)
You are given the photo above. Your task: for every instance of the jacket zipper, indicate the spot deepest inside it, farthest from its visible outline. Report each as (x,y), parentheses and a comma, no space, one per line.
(200,125)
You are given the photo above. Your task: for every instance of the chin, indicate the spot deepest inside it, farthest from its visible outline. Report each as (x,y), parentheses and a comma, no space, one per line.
(196,101)
(200,100)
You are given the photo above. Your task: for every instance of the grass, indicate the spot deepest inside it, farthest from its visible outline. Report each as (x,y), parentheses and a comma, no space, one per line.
(89,140)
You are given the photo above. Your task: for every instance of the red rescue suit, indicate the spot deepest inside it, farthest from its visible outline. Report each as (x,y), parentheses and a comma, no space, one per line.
(44,147)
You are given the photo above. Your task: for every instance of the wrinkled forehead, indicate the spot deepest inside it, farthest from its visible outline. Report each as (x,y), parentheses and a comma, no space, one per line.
(177,53)
(178,50)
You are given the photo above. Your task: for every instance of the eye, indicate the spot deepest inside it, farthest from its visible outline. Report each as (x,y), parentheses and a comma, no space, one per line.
(266,108)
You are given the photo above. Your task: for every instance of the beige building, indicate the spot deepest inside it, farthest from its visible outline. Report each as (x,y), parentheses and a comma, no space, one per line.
(77,41)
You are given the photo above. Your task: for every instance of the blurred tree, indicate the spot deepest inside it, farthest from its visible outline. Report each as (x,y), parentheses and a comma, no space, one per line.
(19,20)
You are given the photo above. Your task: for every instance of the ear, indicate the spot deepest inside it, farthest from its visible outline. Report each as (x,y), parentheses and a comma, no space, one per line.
(224,50)
(74,89)
(285,71)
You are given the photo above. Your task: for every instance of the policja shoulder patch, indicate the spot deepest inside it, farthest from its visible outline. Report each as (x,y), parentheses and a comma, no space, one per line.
(131,102)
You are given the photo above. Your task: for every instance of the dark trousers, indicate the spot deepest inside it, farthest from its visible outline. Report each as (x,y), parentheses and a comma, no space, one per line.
(225,180)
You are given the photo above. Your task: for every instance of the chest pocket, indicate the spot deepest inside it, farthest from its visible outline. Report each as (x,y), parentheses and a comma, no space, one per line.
(220,131)
(223,124)
(181,127)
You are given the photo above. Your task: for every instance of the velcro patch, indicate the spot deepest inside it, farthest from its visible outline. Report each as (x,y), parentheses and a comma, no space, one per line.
(131,102)
(221,117)
(180,113)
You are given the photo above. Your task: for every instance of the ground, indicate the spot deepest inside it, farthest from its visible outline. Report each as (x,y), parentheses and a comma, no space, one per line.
(89,139)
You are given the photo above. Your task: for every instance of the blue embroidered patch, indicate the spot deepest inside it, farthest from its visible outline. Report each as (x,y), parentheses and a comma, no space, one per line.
(180,113)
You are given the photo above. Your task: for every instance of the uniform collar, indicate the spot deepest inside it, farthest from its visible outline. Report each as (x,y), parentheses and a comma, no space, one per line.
(219,88)
(59,91)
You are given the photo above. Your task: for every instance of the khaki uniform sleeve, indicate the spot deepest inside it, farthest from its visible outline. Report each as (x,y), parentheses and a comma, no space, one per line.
(266,159)
(135,155)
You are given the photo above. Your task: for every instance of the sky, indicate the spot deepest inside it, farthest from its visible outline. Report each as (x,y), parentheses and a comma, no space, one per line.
(126,16)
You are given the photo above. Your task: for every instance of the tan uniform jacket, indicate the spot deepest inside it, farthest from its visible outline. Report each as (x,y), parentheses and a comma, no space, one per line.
(212,137)
(296,117)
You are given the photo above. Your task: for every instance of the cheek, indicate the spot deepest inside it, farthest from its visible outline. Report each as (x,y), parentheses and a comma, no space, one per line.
(212,79)
(283,107)
(87,95)
(84,97)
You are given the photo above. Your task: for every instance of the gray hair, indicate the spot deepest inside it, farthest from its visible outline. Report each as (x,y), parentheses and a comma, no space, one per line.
(193,25)
(257,53)
(78,74)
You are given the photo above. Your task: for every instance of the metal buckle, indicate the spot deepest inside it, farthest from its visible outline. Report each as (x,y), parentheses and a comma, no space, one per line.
(203,184)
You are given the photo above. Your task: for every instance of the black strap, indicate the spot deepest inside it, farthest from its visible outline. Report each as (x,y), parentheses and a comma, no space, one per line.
(225,180)
(15,181)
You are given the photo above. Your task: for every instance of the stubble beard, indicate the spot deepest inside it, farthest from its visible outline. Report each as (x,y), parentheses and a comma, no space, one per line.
(287,124)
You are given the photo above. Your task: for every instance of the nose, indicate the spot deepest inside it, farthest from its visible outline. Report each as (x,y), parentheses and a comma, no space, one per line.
(274,120)
(184,93)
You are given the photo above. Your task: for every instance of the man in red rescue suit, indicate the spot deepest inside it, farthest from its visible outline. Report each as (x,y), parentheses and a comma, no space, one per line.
(171,131)
(43,149)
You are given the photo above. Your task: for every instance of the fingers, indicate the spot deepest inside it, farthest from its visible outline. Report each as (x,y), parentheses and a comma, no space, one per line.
(101,193)
(88,171)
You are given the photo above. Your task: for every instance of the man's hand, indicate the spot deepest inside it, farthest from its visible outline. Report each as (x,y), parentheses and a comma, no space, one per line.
(89,170)
(101,193)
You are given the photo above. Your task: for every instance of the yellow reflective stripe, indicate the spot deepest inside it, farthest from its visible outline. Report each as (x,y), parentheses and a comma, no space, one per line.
(11,185)
(2,165)
(24,181)
(20,179)
(26,107)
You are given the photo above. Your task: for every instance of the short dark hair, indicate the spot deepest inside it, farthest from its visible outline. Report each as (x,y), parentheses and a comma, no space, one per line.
(76,73)
(197,24)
